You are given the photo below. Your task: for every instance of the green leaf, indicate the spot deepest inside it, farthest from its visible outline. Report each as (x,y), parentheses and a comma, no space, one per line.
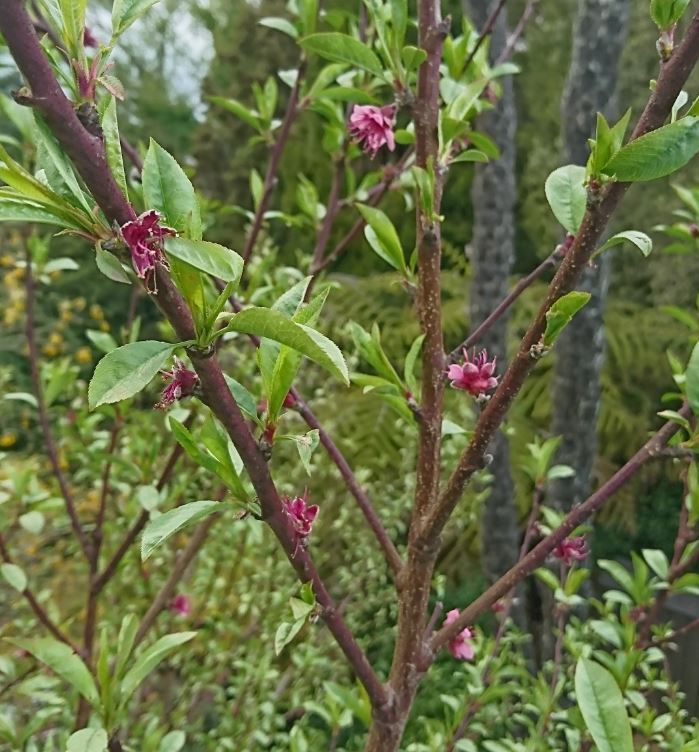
(470,155)
(112,145)
(412,57)
(125,643)
(150,659)
(24,211)
(167,188)
(342,48)
(163,527)
(14,576)
(567,197)
(73,15)
(657,561)
(382,237)
(126,371)
(88,740)
(306,445)
(602,706)
(110,266)
(665,13)
(64,662)
(635,237)
(101,340)
(692,380)
(285,634)
(247,115)
(126,12)
(266,322)
(656,154)
(173,742)
(280,24)
(33,522)
(246,402)
(61,163)
(211,258)
(561,314)
(410,363)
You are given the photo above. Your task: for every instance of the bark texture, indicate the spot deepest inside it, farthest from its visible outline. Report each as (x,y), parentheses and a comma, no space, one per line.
(492,253)
(598,41)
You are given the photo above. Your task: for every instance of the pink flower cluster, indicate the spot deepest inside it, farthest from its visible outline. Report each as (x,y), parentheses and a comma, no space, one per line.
(144,236)
(460,646)
(572,549)
(372,127)
(182,384)
(301,515)
(474,376)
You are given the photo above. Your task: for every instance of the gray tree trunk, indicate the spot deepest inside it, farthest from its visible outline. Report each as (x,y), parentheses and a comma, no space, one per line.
(598,41)
(492,253)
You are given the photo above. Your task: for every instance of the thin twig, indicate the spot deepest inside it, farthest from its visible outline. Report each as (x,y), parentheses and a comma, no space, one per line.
(548,263)
(517,32)
(485,32)
(292,110)
(47,432)
(35,606)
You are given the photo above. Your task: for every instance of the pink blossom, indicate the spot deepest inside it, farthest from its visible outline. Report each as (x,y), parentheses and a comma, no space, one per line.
(89,39)
(182,384)
(301,515)
(181,605)
(460,646)
(144,236)
(372,127)
(572,549)
(474,376)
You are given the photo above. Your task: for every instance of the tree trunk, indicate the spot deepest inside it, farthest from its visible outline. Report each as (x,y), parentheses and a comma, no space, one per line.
(492,252)
(598,40)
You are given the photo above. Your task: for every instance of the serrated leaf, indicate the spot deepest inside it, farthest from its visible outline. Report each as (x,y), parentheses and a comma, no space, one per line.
(112,145)
(211,258)
(602,706)
(635,237)
(269,323)
(656,154)
(110,266)
(382,237)
(280,24)
(14,576)
(692,380)
(126,371)
(64,662)
(167,188)
(151,659)
(561,314)
(342,48)
(126,12)
(163,527)
(567,197)
(88,740)
(285,634)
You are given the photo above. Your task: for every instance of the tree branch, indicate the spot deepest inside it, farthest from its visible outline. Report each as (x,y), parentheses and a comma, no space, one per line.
(536,557)
(88,155)
(673,75)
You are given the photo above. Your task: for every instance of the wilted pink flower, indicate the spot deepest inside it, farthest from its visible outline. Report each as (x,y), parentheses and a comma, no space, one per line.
(460,646)
(182,384)
(144,236)
(181,605)
(572,549)
(301,515)
(474,376)
(89,39)
(372,127)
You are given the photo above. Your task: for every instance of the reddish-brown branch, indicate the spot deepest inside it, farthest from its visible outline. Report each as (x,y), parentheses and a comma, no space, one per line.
(390,552)
(292,110)
(673,74)
(35,606)
(537,556)
(485,32)
(88,156)
(472,339)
